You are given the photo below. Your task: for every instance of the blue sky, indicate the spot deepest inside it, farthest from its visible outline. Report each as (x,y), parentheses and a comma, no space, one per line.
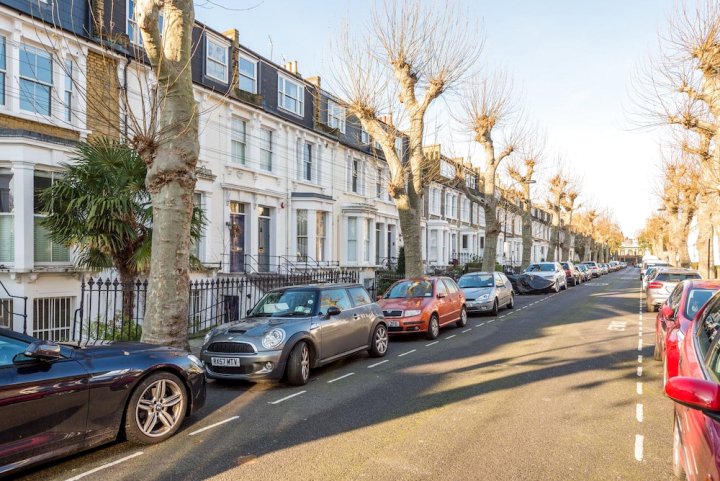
(573,61)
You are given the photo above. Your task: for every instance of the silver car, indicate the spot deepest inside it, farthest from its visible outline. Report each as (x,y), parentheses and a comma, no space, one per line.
(486,292)
(662,284)
(294,329)
(551,271)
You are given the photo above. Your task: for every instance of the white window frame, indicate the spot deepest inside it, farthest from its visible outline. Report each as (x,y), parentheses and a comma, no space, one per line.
(199,244)
(269,150)
(69,90)
(399,147)
(46,311)
(40,215)
(364,136)
(38,52)
(447,170)
(136,37)
(218,43)
(300,102)
(336,115)
(235,138)
(241,75)
(352,251)
(3,69)
(9,219)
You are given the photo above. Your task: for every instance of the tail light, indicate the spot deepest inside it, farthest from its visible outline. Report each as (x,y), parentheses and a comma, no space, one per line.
(655,285)
(567,272)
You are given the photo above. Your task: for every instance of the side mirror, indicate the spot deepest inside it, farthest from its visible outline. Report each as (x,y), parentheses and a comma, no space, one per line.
(694,393)
(667,312)
(44,351)
(440,295)
(333,311)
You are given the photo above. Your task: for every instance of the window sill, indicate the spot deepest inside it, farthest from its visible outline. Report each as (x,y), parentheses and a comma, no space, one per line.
(298,115)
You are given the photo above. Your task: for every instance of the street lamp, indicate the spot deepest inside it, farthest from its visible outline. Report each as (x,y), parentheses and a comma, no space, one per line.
(506,203)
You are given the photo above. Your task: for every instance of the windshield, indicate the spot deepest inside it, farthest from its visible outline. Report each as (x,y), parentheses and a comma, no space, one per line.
(695,300)
(540,268)
(288,303)
(476,281)
(407,289)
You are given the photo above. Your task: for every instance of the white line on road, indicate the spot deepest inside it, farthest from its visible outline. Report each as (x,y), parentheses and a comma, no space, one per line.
(640,346)
(466,330)
(99,468)
(406,353)
(450,337)
(431,344)
(214,425)
(502,316)
(640,359)
(378,363)
(639,447)
(639,412)
(480,325)
(341,377)
(287,397)
(491,321)
(639,371)
(639,387)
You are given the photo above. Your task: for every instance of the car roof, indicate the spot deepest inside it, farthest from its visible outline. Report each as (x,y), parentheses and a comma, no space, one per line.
(700,283)
(333,285)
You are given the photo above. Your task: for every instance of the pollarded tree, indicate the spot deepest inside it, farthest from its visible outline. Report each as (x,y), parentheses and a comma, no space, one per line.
(413,54)
(569,207)
(557,191)
(523,180)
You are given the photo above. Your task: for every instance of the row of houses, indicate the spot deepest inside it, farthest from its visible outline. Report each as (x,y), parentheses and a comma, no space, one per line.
(286,178)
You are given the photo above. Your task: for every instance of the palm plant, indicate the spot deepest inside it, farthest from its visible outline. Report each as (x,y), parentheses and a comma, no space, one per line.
(102,208)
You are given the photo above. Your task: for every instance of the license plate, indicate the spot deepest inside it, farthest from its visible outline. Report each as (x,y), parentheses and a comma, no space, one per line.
(394,323)
(225,361)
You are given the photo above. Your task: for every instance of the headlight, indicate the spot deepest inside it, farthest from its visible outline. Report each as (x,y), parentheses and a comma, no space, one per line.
(273,338)
(413,312)
(208,336)
(484,297)
(195,360)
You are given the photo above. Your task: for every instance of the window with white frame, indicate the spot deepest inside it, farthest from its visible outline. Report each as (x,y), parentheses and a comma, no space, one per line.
(379,182)
(52,317)
(45,249)
(336,116)
(35,80)
(352,239)
(216,59)
(3,70)
(7,219)
(433,254)
(399,148)
(366,240)
(238,140)
(320,235)
(6,313)
(450,205)
(291,95)
(247,68)
(465,210)
(470,181)
(68,90)
(356,176)
(302,235)
(266,149)
(307,162)
(133,30)
(364,136)
(447,169)
(434,201)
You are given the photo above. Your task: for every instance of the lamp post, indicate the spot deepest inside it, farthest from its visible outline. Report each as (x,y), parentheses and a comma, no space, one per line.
(506,203)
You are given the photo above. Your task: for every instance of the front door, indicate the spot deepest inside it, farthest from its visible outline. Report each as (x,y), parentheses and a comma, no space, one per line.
(237,237)
(264,240)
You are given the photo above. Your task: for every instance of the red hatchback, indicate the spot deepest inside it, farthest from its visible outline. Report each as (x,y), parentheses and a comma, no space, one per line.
(675,317)
(696,391)
(423,305)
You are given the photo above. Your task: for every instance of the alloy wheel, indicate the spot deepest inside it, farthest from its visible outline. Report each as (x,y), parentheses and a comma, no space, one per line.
(160,408)
(381,339)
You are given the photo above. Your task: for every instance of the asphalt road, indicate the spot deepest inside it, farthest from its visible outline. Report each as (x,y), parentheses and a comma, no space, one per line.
(563,387)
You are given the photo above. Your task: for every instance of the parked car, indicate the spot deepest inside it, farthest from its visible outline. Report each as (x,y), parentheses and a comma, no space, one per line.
(650,272)
(58,399)
(603,269)
(662,284)
(696,391)
(294,329)
(486,292)
(675,317)
(572,274)
(551,271)
(585,272)
(594,268)
(423,305)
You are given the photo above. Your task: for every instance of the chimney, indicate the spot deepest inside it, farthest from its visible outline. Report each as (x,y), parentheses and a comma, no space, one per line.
(315,81)
(233,34)
(292,67)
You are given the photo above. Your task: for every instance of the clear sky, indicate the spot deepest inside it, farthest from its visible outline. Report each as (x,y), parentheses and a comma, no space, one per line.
(573,61)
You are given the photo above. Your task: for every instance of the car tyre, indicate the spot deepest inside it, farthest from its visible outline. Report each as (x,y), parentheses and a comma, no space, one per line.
(379,345)
(677,466)
(495,309)
(433,328)
(156,409)
(298,367)
(564,286)
(556,287)
(511,304)
(462,322)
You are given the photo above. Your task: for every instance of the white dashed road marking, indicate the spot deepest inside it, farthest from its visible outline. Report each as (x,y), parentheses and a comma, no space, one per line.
(639,412)
(639,371)
(466,330)
(450,337)
(640,359)
(639,447)
(341,377)
(640,346)
(617,326)
(214,425)
(377,364)
(639,388)
(287,397)
(431,344)
(406,353)
(99,468)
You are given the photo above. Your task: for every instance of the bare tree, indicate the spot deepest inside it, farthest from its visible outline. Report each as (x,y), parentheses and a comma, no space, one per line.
(171,158)
(486,108)
(568,206)
(558,185)
(523,180)
(412,54)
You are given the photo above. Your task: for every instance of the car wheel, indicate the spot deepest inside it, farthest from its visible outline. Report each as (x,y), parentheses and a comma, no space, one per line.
(494,311)
(511,304)
(298,367)
(433,327)
(678,469)
(564,286)
(556,287)
(156,409)
(462,322)
(379,345)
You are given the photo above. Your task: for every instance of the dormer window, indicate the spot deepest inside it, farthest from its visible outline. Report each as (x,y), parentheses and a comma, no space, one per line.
(216,59)
(247,68)
(291,96)
(336,116)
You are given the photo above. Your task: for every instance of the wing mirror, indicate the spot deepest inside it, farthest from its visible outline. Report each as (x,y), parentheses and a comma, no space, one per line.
(440,295)
(44,351)
(667,312)
(694,393)
(333,311)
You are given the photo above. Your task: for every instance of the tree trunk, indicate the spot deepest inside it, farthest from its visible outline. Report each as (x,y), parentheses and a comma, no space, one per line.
(527,238)
(409,212)
(705,233)
(554,240)
(129,326)
(171,168)
(492,230)
(566,247)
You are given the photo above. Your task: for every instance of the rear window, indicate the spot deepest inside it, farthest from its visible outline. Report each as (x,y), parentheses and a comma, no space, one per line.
(670,277)
(359,296)
(565,265)
(541,268)
(695,300)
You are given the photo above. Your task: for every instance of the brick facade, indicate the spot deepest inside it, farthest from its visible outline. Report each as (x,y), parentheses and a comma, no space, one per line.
(20,125)
(103,96)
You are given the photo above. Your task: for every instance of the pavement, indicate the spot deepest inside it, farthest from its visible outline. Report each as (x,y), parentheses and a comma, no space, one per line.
(561,387)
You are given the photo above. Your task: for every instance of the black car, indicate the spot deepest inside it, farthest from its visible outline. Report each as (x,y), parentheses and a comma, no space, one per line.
(56,399)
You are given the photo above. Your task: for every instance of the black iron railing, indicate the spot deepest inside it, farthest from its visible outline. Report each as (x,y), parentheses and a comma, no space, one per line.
(8,311)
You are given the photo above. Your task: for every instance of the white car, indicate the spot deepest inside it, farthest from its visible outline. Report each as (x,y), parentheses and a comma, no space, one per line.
(551,271)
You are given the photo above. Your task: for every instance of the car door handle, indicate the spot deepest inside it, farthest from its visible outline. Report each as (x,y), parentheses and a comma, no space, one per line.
(314,325)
